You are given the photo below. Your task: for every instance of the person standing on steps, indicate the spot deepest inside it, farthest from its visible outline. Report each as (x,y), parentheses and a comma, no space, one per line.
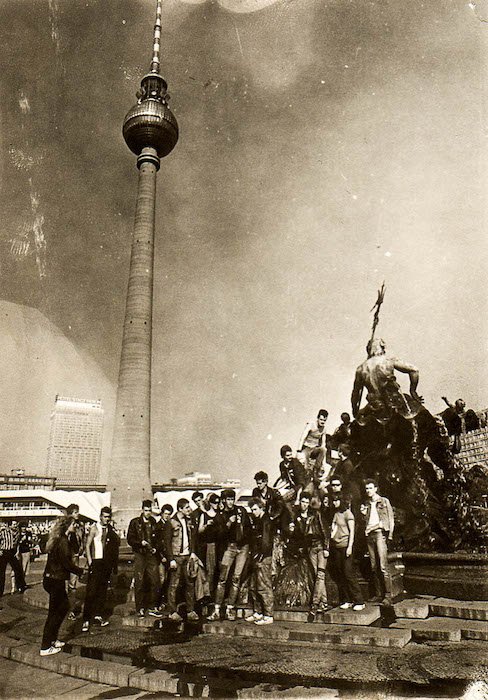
(380,524)
(143,537)
(102,553)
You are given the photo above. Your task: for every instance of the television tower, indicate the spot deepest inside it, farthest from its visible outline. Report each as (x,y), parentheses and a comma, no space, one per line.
(151,132)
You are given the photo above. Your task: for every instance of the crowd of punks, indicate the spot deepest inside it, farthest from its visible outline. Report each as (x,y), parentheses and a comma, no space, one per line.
(290,545)
(214,553)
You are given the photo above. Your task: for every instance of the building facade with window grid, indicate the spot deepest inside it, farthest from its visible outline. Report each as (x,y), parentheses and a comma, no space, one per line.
(75,441)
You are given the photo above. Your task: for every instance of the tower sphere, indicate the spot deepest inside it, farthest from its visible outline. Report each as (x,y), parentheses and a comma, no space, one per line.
(151,123)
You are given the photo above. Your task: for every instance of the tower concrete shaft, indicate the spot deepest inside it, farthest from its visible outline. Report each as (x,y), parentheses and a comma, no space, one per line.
(151,132)
(130,472)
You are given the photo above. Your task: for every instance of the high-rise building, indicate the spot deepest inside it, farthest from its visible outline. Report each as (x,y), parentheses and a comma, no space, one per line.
(75,442)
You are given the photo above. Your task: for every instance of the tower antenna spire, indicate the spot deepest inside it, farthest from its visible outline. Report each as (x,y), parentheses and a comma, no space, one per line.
(155,63)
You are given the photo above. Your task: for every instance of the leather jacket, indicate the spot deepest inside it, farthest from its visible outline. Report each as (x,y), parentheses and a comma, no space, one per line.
(59,563)
(135,535)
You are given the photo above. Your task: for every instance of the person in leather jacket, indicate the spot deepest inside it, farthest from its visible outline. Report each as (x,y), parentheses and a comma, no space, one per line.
(59,566)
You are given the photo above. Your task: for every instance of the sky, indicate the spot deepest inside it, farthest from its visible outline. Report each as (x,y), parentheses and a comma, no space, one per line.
(325,146)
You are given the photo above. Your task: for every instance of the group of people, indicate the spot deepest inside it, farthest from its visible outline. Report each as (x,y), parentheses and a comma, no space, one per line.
(217,552)
(214,554)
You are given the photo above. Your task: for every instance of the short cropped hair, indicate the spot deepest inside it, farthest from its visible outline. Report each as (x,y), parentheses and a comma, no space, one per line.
(213,498)
(147,503)
(260,476)
(167,507)
(182,502)
(228,493)
(323,412)
(107,510)
(197,494)
(285,449)
(306,495)
(371,481)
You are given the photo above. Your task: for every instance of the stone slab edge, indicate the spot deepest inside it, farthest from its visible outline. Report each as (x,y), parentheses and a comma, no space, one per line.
(75,666)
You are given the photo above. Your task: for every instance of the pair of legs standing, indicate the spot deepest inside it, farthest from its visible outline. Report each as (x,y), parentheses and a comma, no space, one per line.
(146,572)
(261,592)
(96,591)
(378,556)
(345,577)
(58,609)
(319,562)
(175,577)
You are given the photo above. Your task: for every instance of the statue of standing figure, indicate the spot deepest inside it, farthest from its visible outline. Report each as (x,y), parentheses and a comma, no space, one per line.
(385,397)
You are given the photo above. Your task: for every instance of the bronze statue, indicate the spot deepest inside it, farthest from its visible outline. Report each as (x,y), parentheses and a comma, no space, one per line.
(385,397)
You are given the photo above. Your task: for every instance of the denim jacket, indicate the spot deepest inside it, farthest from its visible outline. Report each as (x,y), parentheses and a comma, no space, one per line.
(385,514)
(173,537)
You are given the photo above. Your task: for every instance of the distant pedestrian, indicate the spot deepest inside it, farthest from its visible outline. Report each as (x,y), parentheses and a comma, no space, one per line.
(59,566)
(24,551)
(8,550)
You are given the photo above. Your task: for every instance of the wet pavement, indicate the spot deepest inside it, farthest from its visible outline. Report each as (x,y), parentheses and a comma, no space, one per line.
(199,664)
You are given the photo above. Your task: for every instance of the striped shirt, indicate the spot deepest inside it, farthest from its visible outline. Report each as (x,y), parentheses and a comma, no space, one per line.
(7,540)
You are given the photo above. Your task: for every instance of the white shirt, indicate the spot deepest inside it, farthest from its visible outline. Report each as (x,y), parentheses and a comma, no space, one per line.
(185,543)
(374,518)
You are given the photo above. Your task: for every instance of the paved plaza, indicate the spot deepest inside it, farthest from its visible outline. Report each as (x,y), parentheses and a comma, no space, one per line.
(182,660)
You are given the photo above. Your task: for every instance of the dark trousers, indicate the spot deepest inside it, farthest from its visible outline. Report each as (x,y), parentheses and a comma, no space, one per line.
(175,576)
(96,589)
(9,557)
(345,576)
(146,569)
(58,609)
(261,587)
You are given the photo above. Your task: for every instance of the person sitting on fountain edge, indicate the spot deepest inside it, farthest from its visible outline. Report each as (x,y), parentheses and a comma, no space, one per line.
(312,444)
(293,477)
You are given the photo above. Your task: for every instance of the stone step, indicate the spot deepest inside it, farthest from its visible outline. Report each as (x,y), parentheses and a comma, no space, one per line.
(336,616)
(415,608)
(326,633)
(444,629)
(466,609)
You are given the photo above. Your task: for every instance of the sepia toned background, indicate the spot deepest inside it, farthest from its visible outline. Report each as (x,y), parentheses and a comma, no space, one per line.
(325,146)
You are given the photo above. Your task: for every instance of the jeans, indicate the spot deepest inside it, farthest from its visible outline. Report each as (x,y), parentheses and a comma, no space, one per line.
(378,556)
(58,608)
(319,562)
(175,576)
(146,566)
(345,576)
(8,557)
(239,554)
(96,590)
(261,587)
